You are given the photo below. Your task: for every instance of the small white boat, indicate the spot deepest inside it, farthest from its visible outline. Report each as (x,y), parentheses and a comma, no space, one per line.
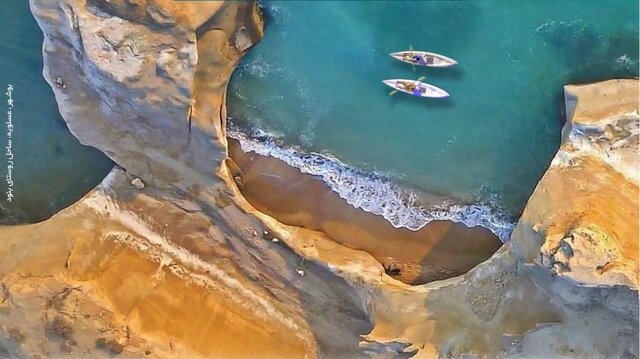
(423,58)
(416,88)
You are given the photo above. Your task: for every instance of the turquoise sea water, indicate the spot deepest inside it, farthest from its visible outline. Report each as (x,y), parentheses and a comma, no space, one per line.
(51,168)
(314,85)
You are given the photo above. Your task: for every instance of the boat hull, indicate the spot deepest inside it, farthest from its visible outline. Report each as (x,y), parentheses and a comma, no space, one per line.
(429,90)
(430,59)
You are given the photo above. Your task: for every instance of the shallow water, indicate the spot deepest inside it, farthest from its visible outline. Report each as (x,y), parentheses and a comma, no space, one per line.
(51,168)
(314,85)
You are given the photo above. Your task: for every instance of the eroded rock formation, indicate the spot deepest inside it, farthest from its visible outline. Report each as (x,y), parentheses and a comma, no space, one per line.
(184,267)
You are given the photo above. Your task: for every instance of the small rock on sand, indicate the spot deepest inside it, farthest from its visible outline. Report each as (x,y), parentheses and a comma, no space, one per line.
(137,183)
(60,83)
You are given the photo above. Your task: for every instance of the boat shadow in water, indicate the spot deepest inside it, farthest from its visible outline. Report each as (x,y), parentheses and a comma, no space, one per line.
(401,98)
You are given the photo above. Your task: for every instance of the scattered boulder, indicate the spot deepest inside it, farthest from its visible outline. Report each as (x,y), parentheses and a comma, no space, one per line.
(137,183)
(60,83)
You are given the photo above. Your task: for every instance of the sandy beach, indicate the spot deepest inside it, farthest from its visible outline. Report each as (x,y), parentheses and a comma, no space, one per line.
(441,249)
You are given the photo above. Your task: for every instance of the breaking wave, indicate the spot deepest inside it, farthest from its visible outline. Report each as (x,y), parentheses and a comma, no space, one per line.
(373,193)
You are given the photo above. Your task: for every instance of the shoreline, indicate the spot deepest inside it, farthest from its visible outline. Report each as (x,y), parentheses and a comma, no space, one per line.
(439,250)
(401,206)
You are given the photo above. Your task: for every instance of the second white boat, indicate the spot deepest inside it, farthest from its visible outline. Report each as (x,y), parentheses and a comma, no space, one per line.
(416,88)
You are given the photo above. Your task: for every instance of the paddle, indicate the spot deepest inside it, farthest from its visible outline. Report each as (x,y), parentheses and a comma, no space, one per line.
(413,66)
(418,80)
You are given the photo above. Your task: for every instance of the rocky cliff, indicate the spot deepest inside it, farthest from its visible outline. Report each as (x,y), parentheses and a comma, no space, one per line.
(584,211)
(165,259)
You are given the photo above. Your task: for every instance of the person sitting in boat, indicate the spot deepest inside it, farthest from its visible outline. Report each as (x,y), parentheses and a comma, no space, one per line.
(417,91)
(419,59)
(407,86)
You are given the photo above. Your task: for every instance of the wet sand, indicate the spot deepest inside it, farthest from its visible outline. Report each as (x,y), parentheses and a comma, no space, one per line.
(441,249)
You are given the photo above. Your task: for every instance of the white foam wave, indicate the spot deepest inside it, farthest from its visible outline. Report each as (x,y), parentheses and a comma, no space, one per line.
(258,67)
(626,62)
(373,193)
